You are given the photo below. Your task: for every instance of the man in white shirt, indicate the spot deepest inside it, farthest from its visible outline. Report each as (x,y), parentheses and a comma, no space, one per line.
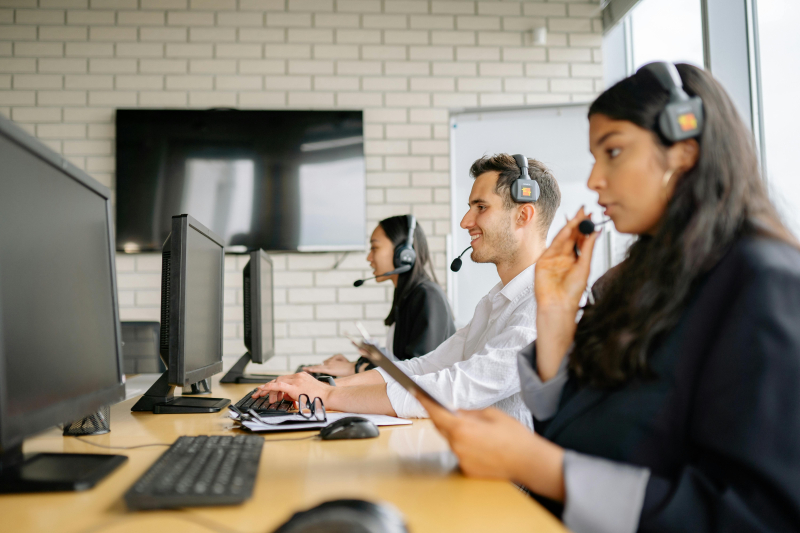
(477,366)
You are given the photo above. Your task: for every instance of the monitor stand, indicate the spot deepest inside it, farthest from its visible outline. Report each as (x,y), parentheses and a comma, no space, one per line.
(236,373)
(161,399)
(53,472)
(201,387)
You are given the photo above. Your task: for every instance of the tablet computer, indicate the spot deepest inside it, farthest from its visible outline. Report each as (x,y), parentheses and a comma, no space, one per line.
(376,356)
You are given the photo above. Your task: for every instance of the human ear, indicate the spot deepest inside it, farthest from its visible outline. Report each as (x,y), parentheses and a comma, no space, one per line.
(525,214)
(683,155)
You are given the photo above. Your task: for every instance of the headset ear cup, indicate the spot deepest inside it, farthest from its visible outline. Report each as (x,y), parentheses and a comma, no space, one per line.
(404,255)
(525,191)
(665,124)
(681,120)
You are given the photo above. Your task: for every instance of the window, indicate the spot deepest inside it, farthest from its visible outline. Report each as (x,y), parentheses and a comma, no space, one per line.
(779,43)
(667,30)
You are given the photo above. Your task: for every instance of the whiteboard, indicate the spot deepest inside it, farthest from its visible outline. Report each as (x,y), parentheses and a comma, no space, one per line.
(558,136)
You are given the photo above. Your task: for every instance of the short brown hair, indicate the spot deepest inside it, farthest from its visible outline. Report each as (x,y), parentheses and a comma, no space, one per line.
(549,195)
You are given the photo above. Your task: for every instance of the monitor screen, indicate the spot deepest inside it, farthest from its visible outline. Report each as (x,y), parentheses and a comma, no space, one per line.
(202,300)
(58,314)
(276,180)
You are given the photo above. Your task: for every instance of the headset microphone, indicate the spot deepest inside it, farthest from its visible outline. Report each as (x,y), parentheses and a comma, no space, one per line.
(587,227)
(455,266)
(402,270)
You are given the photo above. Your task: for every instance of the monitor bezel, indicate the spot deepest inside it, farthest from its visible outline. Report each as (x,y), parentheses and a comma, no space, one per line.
(256,339)
(14,430)
(176,369)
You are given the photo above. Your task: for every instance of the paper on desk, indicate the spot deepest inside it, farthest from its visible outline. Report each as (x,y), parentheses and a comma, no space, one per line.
(378,420)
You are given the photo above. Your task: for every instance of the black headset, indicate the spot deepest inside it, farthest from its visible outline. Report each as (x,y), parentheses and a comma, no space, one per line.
(524,189)
(682,118)
(404,254)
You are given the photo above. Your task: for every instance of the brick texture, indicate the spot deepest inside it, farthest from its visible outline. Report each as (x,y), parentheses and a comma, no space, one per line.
(406,63)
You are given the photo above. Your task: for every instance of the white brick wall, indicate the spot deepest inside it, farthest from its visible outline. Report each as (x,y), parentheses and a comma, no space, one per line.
(65,65)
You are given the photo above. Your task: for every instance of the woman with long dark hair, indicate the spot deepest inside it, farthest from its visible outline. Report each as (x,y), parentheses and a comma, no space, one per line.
(674,403)
(420,318)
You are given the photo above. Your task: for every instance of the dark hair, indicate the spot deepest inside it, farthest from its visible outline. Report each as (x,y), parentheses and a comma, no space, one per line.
(396,228)
(713,204)
(549,195)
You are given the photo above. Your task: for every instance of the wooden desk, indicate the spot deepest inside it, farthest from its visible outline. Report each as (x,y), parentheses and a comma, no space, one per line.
(409,466)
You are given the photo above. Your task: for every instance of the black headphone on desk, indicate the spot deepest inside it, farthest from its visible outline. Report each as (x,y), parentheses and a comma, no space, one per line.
(682,117)
(404,254)
(524,190)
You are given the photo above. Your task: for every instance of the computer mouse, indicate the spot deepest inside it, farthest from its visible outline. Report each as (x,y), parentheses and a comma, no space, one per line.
(351,427)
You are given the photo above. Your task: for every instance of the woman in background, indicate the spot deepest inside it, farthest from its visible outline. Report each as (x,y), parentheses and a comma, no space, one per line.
(674,404)
(420,318)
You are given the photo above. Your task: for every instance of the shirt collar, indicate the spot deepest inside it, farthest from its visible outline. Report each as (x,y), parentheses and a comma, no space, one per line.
(521,282)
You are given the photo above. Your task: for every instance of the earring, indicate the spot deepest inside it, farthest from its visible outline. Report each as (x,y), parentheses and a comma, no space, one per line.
(665,180)
(667,176)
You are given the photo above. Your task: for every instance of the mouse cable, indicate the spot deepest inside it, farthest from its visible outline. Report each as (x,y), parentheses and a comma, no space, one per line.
(80,438)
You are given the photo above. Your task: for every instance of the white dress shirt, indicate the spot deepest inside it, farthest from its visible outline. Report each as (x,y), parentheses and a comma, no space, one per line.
(477,367)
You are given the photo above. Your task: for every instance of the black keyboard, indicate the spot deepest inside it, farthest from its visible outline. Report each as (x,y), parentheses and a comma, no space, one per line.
(262,405)
(196,471)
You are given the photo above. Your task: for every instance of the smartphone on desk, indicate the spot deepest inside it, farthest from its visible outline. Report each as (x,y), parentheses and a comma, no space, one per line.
(372,352)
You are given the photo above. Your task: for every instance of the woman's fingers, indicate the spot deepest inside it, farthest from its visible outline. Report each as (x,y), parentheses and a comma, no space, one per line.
(444,420)
(565,238)
(586,247)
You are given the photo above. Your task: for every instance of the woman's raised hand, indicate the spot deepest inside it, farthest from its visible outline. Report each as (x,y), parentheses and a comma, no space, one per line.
(561,276)
(560,281)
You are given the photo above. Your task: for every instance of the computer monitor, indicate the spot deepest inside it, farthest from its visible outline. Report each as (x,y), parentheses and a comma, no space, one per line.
(60,353)
(192,265)
(259,326)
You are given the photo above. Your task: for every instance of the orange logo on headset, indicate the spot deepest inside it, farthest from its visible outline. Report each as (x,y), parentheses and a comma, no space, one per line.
(526,191)
(687,122)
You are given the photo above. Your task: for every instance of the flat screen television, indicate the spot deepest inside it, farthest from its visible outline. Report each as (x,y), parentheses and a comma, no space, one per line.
(275,180)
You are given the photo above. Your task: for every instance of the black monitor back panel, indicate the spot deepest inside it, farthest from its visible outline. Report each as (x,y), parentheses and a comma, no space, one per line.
(195,302)
(60,350)
(191,320)
(259,323)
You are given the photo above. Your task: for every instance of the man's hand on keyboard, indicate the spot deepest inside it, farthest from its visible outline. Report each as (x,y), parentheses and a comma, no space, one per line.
(292,386)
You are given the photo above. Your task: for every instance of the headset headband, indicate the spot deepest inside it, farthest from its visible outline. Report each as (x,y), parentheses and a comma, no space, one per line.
(682,118)
(524,189)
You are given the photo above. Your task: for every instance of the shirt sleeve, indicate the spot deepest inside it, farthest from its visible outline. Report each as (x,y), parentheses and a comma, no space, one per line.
(483,379)
(448,353)
(602,496)
(541,398)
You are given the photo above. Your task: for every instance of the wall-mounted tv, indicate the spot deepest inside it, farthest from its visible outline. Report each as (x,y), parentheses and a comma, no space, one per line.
(275,180)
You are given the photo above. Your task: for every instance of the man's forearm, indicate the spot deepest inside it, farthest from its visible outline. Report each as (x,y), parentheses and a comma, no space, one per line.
(367,399)
(370,377)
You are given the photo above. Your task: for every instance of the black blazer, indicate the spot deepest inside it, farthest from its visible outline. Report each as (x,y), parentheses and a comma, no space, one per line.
(719,428)
(423,321)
